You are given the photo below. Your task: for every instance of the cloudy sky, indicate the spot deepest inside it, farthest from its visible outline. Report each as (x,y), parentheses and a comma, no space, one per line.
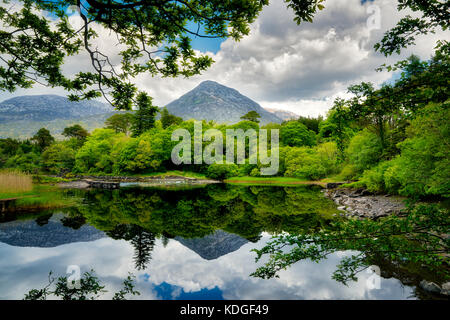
(285,66)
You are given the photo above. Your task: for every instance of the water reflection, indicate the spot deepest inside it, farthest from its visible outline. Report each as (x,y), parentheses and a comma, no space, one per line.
(181,244)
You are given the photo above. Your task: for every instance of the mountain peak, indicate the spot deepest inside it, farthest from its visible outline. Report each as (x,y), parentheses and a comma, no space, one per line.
(211,100)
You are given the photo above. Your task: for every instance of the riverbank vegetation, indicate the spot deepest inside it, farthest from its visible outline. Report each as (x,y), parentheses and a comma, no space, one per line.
(394,139)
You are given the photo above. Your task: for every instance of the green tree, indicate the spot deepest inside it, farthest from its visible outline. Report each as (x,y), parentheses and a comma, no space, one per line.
(168,119)
(364,150)
(76,131)
(99,152)
(416,236)
(144,117)
(251,116)
(295,134)
(58,158)
(435,14)
(89,288)
(43,139)
(337,126)
(120,122)
(311,123)
(222,171)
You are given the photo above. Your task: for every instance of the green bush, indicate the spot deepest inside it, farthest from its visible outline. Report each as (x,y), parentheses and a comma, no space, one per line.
(310,163)
(304,163)
(373,179)
(58,158)
(222,171)
(348,172)
(296,134)
(364,150)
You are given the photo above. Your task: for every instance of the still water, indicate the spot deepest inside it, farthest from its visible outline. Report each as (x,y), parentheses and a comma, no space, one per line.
(183,243)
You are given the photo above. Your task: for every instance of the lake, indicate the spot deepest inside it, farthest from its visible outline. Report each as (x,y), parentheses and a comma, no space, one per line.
(182,243)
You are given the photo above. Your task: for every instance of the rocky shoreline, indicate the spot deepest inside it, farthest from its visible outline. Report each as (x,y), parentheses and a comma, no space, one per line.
(114,182)
(363,204)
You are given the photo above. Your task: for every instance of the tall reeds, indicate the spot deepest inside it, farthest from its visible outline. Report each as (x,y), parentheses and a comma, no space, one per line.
(14,181)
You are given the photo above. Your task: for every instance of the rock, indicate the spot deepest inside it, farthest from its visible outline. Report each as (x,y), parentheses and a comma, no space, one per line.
(430,286)
(446,289)
(333,185)
(342,208)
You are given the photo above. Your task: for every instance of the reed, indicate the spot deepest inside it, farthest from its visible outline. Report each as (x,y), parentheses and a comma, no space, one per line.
(13,181)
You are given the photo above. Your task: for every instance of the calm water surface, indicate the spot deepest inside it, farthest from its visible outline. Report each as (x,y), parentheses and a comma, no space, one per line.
(192,243)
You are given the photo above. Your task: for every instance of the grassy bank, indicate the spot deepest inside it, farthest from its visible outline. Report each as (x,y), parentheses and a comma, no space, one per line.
(271,181)
(41,197)
(17,192)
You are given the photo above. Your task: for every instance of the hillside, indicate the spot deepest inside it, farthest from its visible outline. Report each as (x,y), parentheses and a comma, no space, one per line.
(283,114)
(213,101)
(48,108)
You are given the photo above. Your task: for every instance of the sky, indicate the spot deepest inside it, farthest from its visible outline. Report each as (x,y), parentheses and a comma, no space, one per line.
(282,65)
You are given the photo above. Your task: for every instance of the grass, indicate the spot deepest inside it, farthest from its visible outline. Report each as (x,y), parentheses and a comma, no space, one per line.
(14,182)
(270,180)
(18,187)
(40,197)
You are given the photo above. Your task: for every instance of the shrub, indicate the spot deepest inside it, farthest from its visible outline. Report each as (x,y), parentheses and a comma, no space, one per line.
(58,158)
(296,134)
(364,150)
(348,172)
(221,171)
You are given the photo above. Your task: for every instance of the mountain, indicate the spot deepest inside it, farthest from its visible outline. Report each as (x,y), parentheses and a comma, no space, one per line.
(48,108)
(23,129)
(213,101)
(21,117)
(214,245)
(27,233)
(283,114)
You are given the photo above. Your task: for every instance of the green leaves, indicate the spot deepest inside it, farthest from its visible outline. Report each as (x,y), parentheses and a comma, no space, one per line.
(417,236)
(435,14)
(89,288)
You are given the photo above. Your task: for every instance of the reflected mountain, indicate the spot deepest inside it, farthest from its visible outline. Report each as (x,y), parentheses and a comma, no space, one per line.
(45,234)
(215,245)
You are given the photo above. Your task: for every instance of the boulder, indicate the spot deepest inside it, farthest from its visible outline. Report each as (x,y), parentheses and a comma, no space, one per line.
(430,286)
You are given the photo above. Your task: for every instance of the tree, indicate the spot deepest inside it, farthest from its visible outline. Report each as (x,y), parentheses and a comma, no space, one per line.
(43,139)
(76,131)
(364,150)
(120,122)
(295,134)
(154,37)
(415,236)
(143,243)
(435,14)
(144,118)
(251,116)
(168,119)
(311,123)
(89,288)
(58,158)
(337,126)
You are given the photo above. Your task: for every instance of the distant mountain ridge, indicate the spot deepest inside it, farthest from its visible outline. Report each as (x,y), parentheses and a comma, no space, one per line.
(27,233)
(48,108)
(213,101)
(283,114)
(21,117)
